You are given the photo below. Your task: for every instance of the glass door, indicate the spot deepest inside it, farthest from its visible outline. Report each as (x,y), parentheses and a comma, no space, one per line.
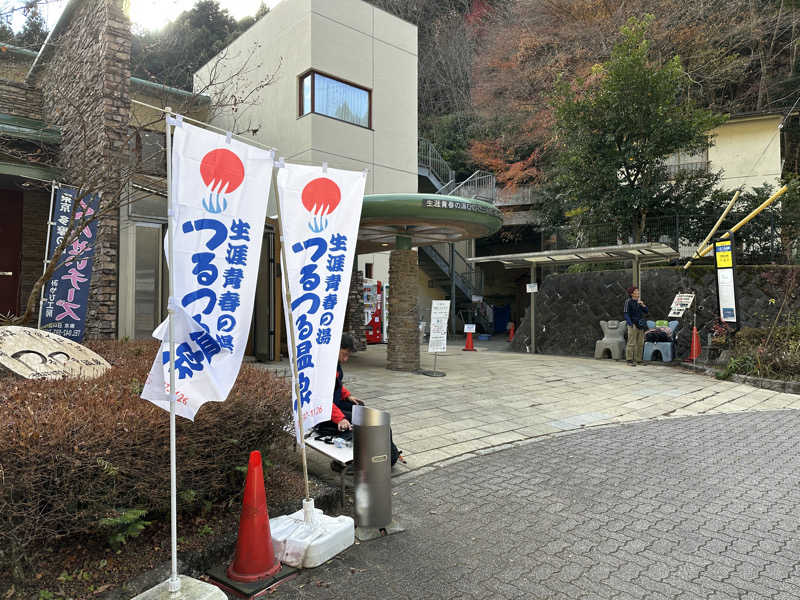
(148,276)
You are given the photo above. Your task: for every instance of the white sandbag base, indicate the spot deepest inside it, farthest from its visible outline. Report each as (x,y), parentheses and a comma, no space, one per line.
(308,538)
(191,589)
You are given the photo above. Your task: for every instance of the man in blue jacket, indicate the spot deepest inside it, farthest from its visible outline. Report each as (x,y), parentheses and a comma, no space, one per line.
(635,310)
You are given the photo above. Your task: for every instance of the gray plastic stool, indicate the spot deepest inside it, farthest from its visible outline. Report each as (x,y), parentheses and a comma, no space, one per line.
(613,341)
(665,349)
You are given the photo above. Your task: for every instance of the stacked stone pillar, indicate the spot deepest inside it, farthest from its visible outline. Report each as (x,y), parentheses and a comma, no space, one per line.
(85,78)
(403,346)
(354,315)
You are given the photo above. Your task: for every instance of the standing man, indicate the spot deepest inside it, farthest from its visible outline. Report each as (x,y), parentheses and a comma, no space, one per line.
(635,310)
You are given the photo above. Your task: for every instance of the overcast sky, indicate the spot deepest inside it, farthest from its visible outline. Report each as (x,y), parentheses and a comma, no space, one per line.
(145,14)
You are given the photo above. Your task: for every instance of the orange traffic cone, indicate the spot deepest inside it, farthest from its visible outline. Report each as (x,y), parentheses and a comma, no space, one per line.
(468,345)
(254,558)
(695,350)
(511,332)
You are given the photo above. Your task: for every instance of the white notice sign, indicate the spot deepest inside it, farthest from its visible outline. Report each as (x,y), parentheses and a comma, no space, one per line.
(469,328)
(440,310)
(727,296)
(680,304)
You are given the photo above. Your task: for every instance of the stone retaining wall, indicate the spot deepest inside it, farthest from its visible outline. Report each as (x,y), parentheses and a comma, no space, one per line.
(570,306)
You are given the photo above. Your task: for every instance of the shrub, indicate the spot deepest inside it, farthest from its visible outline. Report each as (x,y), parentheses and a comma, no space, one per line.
(768,353)
(89,457)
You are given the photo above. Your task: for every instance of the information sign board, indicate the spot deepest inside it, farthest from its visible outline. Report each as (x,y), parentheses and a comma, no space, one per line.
(726,288)
(680,304)
(440,311)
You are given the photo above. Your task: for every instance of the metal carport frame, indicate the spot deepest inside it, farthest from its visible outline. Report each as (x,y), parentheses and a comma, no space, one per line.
(638,254)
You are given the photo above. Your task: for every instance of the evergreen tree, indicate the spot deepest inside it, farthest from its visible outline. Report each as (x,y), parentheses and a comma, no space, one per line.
(173,54)
(6,33)
(34,31)
(617,128)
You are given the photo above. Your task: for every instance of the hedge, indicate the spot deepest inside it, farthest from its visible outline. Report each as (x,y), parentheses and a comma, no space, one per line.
(78,456)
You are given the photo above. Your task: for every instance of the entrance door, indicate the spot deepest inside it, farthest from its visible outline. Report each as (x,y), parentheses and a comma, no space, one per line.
(263,333)
(10,250)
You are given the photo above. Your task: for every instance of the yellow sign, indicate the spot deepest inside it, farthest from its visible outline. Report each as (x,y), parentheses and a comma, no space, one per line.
(724,254)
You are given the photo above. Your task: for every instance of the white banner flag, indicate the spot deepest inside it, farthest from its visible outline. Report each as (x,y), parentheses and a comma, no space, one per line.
(320,212)
(218,206)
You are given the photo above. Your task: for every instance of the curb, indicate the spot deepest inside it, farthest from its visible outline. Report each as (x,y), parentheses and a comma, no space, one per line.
(776,385)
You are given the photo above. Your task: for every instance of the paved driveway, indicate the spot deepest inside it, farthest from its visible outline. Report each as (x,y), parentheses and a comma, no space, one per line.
(698,507)
(491,398)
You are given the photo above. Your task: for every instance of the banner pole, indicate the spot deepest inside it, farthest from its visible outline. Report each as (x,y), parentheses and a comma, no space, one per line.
(50,224)
(174,582)
(747,219)
(290,338)
(724,214)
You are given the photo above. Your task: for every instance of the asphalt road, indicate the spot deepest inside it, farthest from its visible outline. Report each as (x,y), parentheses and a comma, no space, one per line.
(696,507)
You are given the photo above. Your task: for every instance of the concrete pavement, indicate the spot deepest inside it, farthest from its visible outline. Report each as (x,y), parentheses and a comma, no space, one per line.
(491,398)
(550,477)
(689,508)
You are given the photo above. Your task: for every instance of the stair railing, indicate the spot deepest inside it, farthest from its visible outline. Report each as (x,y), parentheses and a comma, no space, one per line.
(481,185)
(428,157)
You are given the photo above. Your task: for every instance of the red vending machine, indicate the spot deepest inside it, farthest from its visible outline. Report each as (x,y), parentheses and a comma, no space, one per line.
(373,309)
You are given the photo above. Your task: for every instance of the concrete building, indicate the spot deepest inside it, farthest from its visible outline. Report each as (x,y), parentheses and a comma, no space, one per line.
(342,90)
(748,150)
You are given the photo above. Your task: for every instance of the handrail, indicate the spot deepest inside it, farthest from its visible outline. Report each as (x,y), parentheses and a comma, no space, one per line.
(468,277)
(428,157)
(520,196)
(481,185)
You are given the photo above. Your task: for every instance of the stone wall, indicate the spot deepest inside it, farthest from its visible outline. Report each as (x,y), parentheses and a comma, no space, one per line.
(403,344)
(85,78)
(570,306)
(20,100)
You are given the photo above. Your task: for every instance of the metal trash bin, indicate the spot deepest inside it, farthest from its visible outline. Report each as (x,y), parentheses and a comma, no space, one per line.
(372,467)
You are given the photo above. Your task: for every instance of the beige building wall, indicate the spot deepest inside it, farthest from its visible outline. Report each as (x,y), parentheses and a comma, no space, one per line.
(350,40)
(738,144)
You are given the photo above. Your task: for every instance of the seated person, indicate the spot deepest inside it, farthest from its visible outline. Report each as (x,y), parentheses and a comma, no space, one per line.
(343,400)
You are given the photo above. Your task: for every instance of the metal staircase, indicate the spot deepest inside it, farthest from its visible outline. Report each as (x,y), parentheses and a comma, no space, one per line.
(461,276)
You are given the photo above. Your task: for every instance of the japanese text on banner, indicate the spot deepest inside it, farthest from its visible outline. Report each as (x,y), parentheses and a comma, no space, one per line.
(320,212)
(66,294)
(219,197)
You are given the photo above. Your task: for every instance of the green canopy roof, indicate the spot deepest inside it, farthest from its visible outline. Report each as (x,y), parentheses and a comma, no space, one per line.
(425,219)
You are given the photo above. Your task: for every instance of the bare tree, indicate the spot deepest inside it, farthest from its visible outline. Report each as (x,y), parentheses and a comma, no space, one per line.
(228,94)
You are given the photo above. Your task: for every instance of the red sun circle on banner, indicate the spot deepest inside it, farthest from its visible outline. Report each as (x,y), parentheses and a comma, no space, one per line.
(222,171)
(321,196)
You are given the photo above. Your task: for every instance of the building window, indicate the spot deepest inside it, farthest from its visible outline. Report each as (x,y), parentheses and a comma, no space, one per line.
(683,161)
(334,98)
(368,270)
